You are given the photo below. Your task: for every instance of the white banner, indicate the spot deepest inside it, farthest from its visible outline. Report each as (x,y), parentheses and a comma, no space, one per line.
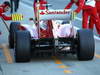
(55,14)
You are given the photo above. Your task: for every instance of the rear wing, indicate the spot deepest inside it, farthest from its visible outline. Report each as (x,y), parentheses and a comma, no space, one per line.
(51,14)
(58,14)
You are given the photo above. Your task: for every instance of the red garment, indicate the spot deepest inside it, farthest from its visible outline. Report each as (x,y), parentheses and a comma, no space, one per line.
(41,6)
(92,12)
(98,7)
(92,22)
(2,13)
(79,3)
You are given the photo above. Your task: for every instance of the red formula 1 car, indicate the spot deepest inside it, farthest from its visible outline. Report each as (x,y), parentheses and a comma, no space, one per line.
(51,33)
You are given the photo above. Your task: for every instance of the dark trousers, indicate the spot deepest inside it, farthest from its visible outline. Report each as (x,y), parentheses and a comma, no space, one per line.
(14,5)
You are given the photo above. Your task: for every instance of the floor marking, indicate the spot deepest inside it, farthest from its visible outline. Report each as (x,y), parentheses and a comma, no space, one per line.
(7,54)
(67,71)
(0,46)
(97,56)
(57,61)
(63,66)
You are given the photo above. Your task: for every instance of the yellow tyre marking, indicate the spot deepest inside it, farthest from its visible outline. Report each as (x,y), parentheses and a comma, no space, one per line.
(62,66)
(7,54)
(17,17)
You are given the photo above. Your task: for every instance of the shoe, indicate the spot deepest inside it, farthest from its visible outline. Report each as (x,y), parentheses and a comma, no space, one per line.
(99,35)
(0,33)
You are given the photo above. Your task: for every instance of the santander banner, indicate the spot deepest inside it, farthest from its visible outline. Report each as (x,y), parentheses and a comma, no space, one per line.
(54,14)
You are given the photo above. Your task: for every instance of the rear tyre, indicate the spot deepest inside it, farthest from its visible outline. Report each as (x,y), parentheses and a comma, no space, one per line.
(13,28)
(86,46)
(23,46)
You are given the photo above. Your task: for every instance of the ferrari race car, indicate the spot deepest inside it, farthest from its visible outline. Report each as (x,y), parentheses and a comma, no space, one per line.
(51,33)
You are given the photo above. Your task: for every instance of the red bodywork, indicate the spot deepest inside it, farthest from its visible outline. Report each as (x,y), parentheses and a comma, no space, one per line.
(43,33)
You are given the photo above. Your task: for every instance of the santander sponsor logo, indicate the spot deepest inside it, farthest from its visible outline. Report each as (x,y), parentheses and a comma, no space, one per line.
(46,12)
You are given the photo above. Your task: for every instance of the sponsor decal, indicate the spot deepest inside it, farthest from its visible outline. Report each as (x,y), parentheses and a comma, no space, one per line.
(42,13)
(46,12)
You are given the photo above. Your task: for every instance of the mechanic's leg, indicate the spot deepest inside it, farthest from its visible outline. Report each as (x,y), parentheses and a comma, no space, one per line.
(85,19)
(15,2)
(96,20)
(91,23)
(16,5)
(0,32)
(98,11)
(11,2)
